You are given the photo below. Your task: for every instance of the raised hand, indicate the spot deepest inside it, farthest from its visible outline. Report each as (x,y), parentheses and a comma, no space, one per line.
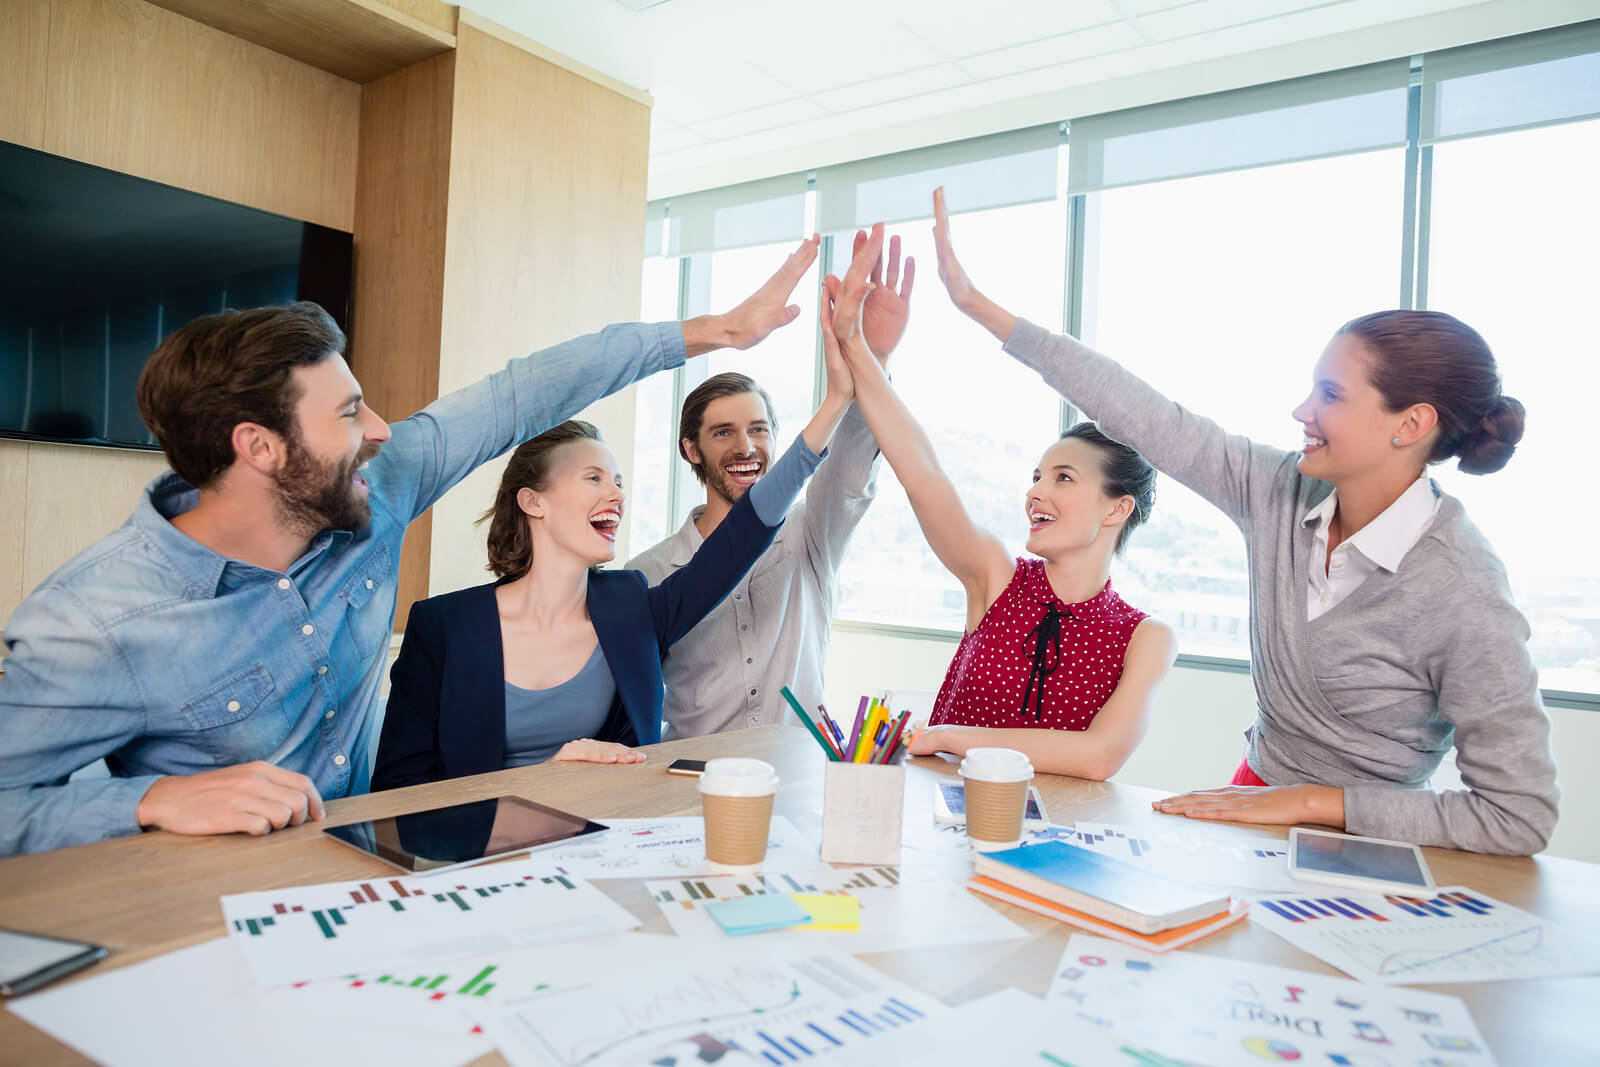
(963,294)
(760,313)
(886,310)
(850,293)
(252,798)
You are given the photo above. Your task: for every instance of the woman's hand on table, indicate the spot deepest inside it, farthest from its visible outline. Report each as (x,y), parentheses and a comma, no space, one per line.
(588,750)
(1273,805)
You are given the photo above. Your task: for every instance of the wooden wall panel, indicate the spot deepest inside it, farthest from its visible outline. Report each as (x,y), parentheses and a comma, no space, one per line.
(75,496)
(403,185)
(24,45)
(547,180)
(139,89)
(13,531)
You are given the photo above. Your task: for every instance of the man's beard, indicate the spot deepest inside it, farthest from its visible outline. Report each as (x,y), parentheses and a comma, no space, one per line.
(313,495)
(718,482)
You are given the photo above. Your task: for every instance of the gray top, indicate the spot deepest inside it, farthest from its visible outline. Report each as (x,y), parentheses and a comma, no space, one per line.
(540,721)
(1373,693)
(772,630)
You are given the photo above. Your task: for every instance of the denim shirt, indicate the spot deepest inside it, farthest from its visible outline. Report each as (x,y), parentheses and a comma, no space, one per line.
(156,653)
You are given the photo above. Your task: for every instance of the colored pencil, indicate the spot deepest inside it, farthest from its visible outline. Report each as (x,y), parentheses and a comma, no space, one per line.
(894,737)
(855,731)
(833,727)
(827,746)
(868,734)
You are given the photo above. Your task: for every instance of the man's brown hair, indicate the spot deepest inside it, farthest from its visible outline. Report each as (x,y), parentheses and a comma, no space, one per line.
(224,369)
(695,404)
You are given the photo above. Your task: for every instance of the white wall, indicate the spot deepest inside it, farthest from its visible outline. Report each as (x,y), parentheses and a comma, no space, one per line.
(1200,715)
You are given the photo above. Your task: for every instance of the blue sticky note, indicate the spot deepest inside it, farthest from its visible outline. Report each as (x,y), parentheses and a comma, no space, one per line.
(751,915)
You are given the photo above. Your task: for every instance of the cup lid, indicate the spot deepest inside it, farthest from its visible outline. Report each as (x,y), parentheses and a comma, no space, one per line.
(996,765)
(738,776)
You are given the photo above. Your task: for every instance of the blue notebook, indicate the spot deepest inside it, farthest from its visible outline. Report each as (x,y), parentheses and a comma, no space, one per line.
(1102,886)
(751,915)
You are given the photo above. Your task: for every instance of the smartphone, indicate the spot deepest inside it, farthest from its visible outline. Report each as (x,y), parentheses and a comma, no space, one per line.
(694,767)
(950,805)
(28,961)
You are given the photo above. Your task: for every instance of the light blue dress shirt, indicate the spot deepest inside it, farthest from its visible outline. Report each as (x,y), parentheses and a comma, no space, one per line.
(152,651)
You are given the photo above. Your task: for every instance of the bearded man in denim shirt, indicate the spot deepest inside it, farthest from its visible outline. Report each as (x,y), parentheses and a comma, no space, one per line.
(223,650)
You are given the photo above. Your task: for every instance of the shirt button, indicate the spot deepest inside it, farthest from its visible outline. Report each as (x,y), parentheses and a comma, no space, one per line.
(752,692)
(283,583)
(322,669)
(744,626)
(233,705)
(308,629)
(738,596)
(369,583)
(754,719)
(338,761)
(748,659)
(329,715)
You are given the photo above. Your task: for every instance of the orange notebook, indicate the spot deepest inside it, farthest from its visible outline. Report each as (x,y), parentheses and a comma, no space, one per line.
(1164,941)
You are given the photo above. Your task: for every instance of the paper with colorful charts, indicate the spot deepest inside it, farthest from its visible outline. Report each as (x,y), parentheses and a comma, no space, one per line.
(1224,1013)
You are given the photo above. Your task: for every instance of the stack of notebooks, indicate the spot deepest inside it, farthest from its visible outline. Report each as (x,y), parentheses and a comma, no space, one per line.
(1103,894)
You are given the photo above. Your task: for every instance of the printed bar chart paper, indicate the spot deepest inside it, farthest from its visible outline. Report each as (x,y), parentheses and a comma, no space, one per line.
(320,931)
(1450,935)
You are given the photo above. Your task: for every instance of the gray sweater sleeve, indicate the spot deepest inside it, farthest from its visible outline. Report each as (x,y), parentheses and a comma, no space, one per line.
(772,495)
(1476,647)
(1223,468)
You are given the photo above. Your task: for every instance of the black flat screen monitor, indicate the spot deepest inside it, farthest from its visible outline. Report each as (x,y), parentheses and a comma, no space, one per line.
(96,267)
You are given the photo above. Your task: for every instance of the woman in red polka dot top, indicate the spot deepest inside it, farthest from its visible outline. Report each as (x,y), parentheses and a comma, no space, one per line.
(1053,662)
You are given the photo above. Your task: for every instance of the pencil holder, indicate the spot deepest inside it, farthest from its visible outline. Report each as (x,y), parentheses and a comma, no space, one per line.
(862,807)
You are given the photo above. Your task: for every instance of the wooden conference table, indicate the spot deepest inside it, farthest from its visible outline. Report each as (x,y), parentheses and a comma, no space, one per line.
(150,894)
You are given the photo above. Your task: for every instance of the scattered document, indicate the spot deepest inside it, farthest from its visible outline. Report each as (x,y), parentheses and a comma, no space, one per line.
(1180,848)
(199,1006)
(1220,1012)
(920,911)
(767,1008)
(667,848)
(1005,1027)
(319,931)
(1449,935)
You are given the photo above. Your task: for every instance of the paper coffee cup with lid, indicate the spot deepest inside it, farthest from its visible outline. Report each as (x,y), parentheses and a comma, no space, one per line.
(736,799)
(996,782)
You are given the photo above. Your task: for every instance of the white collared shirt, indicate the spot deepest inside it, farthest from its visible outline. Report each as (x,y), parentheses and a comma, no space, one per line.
(1381,543)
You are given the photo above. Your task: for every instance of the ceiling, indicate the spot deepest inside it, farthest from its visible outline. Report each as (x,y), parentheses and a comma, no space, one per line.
(750,88)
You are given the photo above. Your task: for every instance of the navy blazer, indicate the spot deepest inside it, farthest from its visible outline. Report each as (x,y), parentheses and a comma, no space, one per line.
(452,657)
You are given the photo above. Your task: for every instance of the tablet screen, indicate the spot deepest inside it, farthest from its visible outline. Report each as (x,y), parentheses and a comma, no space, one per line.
(1360,858)
(462,833)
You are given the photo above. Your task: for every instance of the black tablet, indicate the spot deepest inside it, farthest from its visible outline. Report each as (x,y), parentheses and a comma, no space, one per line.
(463,834)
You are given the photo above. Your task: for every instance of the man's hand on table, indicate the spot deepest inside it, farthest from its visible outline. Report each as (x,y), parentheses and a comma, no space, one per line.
(251,798)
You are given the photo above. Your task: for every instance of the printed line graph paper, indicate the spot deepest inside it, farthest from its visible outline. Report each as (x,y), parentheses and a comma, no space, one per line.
(1455,935)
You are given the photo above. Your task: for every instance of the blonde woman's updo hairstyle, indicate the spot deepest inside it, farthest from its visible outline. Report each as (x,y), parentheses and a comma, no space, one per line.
(510,546)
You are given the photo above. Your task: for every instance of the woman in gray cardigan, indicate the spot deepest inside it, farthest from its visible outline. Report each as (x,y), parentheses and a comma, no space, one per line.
(1382,627)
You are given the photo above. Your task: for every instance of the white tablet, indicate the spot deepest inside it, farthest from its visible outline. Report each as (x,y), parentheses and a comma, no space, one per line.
(1357,862)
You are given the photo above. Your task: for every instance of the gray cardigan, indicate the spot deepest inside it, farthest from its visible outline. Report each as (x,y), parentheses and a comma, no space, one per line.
(1372,694)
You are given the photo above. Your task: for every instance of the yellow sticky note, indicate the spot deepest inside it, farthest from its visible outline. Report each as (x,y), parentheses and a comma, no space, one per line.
(829,911)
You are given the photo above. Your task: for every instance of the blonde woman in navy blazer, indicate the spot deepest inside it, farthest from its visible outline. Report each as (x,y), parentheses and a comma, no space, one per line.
(553,610)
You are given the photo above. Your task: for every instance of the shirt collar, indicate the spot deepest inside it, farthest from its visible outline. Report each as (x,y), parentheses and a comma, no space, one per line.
(1102,605)
(687,540)
(1386,539)
(170,496)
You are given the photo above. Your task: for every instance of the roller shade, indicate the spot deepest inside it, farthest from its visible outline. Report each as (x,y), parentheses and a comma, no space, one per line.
(737,216)
(1533,80)
(1018,167)
(1346,111)
(655,226)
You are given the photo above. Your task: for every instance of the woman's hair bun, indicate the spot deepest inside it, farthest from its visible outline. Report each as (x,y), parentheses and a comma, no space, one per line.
(1489,447)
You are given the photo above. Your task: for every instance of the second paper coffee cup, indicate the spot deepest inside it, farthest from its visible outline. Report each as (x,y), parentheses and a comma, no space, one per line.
(996,784)
(736,799)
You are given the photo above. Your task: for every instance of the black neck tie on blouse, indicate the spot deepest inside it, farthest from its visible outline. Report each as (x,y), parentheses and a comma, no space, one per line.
(1046,656)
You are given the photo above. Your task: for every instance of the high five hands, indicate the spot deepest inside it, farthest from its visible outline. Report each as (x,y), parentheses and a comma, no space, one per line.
(868,305)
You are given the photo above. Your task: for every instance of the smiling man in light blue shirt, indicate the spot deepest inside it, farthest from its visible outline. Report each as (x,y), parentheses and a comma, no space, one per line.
(223,649)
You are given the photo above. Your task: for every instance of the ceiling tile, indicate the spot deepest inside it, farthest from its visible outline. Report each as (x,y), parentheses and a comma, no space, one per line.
(1056,51)
(985,27)
(1219,14)
(703,91)
(894,87)
(1146,7)
(759,119)
(886,50)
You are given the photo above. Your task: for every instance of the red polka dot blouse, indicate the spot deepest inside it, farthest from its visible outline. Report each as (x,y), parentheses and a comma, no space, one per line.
(1035,660)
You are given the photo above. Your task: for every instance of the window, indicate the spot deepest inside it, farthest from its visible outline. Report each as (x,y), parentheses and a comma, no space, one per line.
(1221,291)
(989,417)
(1514,228)
(656,421)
